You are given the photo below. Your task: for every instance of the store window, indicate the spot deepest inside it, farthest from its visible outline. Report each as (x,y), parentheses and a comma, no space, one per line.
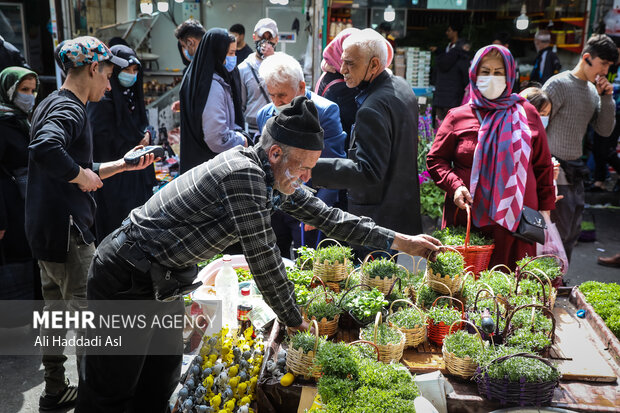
(12,26)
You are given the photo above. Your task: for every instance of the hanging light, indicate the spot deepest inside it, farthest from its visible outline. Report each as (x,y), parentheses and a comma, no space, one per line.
(162,6)
(146,7)
(522,21)
(389,14)
(414,2)
(179,1)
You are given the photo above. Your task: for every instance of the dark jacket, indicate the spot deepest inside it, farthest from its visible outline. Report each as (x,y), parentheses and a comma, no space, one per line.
(13,157)
(333,87)
(243,53)
(10,56)
(61,142)
(451,76)
(551,66)
(381,173)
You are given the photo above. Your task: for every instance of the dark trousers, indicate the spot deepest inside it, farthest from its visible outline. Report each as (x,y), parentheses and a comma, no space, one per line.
(604,151)
(125,383)
(288,231)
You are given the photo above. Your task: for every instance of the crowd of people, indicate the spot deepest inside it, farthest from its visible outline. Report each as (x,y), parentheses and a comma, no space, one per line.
(268,164)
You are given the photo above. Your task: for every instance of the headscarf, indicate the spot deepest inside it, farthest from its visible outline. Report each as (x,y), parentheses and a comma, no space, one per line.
(502,154)
(332,55)
(196,84)
(132,97)
(10,78)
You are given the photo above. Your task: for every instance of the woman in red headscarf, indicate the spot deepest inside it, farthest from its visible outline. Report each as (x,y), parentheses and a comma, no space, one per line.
(492,154)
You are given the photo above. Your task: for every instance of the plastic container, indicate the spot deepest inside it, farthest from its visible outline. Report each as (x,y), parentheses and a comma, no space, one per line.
(227,289)
(244,307)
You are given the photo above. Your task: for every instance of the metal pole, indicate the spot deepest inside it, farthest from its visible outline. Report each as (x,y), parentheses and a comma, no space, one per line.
(55,41)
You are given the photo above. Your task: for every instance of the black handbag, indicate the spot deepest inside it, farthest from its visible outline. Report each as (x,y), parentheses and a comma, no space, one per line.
(531,227)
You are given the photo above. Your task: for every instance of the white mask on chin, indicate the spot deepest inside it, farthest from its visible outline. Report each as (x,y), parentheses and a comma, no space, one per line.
(491,87)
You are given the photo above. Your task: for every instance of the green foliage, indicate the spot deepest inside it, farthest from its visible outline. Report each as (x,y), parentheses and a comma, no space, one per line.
(534,371)
(407,318)
(605,299)
(302,294)
(522,319)
(431,199)
(588,226)
(298,276)
(386,376)
(305,340)
(425,296)
(548,265)
(210,260)
(493,352)
(333,254)
(501,285)
(305,258)
(526,339)
(385,334)
(243,274)
(323,306)
(447,315)
(337,360)
(449,263)
(382,268)
(463,344)
(456,236)
(334,388)
(364,304)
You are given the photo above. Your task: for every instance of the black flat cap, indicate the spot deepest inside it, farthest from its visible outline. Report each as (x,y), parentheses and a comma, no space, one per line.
(297,125)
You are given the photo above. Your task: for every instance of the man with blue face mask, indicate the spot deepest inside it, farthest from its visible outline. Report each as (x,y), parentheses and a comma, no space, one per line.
(119,123)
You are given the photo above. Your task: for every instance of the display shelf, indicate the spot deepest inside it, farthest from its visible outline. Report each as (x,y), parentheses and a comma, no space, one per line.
(575,21)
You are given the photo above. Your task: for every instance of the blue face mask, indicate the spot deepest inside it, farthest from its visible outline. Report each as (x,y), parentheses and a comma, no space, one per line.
(545,121)
(231,63)
(187,55)
(24,102)
(127,79)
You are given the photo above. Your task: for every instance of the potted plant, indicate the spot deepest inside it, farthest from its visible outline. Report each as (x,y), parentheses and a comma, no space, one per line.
(550,265)
(302,349)
(411,321)
(323,308)
(331,263)
(381,273)
(448,270)
(460,351)
(441,318)
(389,340)
(362,304)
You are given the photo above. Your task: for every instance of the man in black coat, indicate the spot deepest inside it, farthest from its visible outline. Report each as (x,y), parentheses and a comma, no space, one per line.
(547,63)
(451,72)
(381,172)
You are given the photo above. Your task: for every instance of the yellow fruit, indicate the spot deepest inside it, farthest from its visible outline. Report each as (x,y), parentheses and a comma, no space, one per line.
(287,379)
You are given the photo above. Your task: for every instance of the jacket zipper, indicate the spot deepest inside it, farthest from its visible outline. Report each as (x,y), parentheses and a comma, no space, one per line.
(69,232)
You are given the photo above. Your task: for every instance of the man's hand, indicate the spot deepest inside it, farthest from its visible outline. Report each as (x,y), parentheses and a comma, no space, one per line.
(420,245)
(308,227)
(462,197)
(87,180)
(603,87)
(145,160)
(176,106)
(432,48)
(146,139)
(304,326)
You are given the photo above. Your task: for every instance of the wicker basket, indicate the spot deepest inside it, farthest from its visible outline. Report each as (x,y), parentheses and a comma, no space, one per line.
(462,367)
(388,352)
(326,327)
(413,336)
(384,284)
(496,336)
(477,257)
(437,332)
(444,284)
(300,363)
(348,320)
(509,330)
(518,392)
(368,342)
(547,301)
(558,281)
(330,273)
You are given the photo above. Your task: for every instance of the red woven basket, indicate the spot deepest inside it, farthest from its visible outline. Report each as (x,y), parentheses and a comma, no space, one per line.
(477,257)
(437,332)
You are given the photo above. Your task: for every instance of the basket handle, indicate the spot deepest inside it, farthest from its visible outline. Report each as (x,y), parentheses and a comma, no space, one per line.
(346,281)
(545,311)
(400,286)
(327,296)
(468,230)
(314,277)
(471,324)
(368,342)
(451,298)
(490,290)
(558,259)
(334,240)
(401,253)
(402,300)
(467,273)
(524,274)
(439,282)
(303,264)
(351,289)
(526,355)
(378,319)
(369,256)
(316,335)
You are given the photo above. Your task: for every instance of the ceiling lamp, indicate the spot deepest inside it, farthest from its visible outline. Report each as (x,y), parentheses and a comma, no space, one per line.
(389,14)
(146,7)
(162,6)
(179,1)
(522,21)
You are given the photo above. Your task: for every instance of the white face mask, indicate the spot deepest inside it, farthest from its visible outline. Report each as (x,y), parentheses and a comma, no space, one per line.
(491,87)
(545,121)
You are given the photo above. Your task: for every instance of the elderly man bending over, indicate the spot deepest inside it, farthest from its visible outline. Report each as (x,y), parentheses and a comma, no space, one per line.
(284,79)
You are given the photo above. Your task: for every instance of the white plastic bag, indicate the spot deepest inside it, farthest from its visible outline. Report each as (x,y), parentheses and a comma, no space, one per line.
(553,244)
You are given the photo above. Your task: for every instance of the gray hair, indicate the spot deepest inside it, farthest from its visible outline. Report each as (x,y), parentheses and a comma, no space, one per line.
(371,44)
(281,68)
(266,141)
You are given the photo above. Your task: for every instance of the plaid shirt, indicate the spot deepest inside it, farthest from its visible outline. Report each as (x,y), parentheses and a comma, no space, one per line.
(230,199)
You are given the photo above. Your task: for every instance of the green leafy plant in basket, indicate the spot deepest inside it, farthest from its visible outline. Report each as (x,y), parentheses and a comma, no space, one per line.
(302,294)
(305,258)
(425,296)
(385,335)
(383,268)
(337,360)
(333,254)
(407,318)
(448,263)
(305,340)
(462,344)
(539,323)
(323,306)
(297,276)
(456,236)
(549,265)
(502,284)
(364,304)
(447,315)
(530,341)
(516,368)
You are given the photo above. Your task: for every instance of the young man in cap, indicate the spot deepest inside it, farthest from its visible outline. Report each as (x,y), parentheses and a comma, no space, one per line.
(227,199)
(60,208)
(253,90)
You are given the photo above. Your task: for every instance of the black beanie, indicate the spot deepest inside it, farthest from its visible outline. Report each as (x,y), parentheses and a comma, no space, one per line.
(297,125)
